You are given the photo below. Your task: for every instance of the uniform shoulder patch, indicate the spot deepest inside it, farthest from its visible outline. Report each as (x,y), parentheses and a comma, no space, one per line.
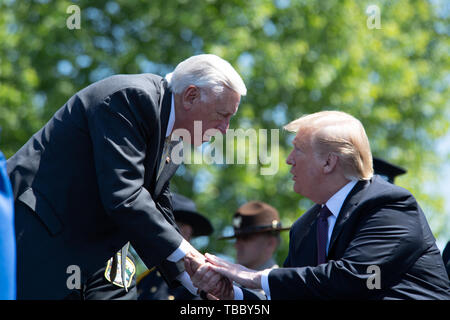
(130,270)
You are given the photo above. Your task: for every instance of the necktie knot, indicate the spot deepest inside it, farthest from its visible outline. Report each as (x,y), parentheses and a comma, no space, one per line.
(324,213)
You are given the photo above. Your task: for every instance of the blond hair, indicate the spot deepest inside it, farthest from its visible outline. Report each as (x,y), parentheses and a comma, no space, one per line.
(341,134)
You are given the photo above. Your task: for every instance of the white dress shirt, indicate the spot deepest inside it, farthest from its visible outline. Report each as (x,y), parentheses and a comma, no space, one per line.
(334,204)
(171,118)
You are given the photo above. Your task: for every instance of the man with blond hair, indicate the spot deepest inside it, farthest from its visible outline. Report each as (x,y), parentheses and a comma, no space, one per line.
(96,177)
(364,239)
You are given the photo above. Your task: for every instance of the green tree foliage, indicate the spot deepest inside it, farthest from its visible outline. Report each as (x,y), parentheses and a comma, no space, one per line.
(296,57)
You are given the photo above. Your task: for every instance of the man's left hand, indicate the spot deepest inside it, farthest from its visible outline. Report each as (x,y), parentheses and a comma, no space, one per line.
(245,277)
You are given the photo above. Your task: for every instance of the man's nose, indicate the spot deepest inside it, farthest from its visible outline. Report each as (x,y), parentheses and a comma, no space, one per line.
(290,159)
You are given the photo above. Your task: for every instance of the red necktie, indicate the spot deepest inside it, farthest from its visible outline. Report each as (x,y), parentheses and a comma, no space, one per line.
(322,235)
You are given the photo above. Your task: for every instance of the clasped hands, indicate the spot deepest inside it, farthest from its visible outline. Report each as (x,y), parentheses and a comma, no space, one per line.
(215,276)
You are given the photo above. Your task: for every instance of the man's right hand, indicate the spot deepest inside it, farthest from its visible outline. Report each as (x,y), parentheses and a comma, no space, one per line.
(192,261)
(217,286)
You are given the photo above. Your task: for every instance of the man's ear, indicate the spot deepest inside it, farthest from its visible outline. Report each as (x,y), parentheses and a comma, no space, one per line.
(190,95)
(331,162)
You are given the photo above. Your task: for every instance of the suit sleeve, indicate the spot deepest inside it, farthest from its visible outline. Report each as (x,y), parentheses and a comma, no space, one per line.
(389,238)
(120,128)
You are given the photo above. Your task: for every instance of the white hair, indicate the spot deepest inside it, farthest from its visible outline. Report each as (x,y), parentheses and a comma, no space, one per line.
(205,71)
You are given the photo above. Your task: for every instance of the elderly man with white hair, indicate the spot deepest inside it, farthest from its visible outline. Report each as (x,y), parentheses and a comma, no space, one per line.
(363,239)
(96,177)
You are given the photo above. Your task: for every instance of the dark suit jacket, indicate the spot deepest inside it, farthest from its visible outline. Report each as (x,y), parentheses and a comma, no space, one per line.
(379,224)
(446,257)
(88,178)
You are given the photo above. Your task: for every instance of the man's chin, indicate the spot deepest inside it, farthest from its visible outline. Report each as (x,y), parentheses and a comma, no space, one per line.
(297,189)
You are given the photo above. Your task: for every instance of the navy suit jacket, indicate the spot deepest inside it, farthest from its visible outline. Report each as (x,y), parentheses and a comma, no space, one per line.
(88,178)
(379,224)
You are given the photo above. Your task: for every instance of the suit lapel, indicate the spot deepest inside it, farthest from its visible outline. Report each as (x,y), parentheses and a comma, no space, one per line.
(168,171)
(349,206)
(164,113)
(305,246)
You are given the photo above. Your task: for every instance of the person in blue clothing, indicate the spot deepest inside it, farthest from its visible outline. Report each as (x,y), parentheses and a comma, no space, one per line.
(7,238)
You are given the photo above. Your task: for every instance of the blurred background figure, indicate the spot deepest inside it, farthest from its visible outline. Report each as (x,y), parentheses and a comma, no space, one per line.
(387,170)
(257,229)
(7,238)
(150,284)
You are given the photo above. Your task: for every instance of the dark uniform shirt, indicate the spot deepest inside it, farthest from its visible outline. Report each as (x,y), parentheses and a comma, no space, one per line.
(151,286)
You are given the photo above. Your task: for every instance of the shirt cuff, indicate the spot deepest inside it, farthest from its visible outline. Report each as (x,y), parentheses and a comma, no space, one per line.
(265,282)
(187,283)
(238,294)
(180,252)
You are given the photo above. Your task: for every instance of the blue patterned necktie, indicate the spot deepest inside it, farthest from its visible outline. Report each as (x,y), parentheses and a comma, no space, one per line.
(322,235)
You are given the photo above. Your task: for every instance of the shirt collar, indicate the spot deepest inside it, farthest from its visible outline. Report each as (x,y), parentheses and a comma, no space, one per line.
(335,203)
(171,118)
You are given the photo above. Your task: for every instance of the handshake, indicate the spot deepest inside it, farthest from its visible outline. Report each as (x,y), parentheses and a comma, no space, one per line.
(215,276)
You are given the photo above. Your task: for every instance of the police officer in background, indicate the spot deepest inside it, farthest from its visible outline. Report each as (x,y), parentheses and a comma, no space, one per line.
(387,170)
(257,229)
(150,284)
